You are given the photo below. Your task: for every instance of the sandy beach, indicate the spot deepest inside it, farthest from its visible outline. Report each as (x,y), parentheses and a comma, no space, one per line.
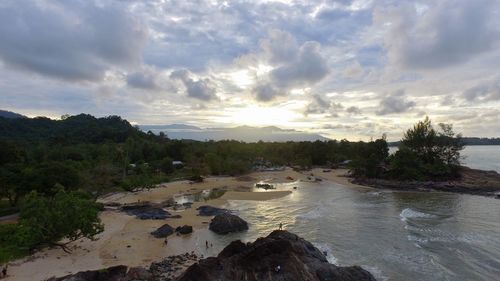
(127,240)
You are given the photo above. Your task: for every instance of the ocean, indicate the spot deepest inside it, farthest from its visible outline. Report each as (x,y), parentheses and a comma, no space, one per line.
(395,235)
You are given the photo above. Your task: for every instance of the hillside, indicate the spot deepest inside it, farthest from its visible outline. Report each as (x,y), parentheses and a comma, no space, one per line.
(82,128)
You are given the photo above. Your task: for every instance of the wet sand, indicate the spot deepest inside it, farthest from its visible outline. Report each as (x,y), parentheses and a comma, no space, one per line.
(126,240)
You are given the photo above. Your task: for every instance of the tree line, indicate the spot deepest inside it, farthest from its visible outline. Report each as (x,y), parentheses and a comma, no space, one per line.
(53,170)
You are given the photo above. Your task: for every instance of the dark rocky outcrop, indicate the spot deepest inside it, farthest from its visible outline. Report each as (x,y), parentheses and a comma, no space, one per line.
(210,211)
(185,229)
(114,273)
(226,223)
(297,258)
(470,181)
(147,211)
(163,231)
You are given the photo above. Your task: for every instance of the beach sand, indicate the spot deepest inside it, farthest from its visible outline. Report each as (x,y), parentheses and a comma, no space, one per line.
(126,240)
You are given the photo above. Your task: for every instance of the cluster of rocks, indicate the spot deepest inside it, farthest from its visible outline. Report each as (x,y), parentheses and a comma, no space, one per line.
(147,211)
(172,267)
(167,230)
(168,269)
(279,256)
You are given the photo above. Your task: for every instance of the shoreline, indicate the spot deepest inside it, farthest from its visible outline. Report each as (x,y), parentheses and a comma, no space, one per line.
(124,234)
(471,182)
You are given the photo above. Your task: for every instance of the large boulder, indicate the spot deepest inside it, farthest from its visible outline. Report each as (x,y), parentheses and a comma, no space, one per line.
(163,231)
(226,223)
(210,211)
(185,229)
(296,258)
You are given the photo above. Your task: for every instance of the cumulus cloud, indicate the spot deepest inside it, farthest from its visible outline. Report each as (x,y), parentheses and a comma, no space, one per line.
(307,68)
(266,92)
(319,105)
(291,65)
(353,110)
(71,40)
(145,79)
(395,103)
(489,91)
(449,33)
(279,47)
(201,89)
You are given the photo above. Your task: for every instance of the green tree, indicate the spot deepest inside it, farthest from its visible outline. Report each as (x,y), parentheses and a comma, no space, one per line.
(426,153)
(68,215)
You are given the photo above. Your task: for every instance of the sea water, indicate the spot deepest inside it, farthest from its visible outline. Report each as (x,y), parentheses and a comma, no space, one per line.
(395,235)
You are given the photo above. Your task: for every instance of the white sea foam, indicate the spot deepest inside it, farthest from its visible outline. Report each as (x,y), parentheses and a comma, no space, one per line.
(408,213)
(325,248)
(375,271)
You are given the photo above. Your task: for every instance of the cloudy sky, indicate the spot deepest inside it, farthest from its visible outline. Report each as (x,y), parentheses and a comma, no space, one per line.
(346,69)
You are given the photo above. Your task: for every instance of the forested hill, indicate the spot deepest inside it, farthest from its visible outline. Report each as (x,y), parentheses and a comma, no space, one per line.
(76,129)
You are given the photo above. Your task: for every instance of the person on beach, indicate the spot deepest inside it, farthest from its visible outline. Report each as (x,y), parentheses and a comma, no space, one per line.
(206,243)
(4,271)
(281,226)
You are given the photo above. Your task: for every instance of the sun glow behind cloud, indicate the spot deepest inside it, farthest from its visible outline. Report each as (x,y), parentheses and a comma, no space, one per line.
(255,115)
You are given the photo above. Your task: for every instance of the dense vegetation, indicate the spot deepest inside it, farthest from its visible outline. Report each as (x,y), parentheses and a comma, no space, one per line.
(52,170)
(424,154)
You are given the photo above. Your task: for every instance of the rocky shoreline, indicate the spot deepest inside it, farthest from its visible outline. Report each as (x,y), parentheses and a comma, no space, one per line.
(471,181)
(279,256)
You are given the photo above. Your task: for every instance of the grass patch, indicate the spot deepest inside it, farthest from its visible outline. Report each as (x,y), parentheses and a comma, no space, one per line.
(9,247)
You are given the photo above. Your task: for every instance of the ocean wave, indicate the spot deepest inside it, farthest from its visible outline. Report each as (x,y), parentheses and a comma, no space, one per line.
(409,213)
(325,248)
(375,271)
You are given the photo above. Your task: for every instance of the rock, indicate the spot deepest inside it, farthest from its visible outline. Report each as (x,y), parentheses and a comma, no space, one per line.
(146,211)
(139,273)
(297,258)
(226,223)
(164,231)
(210,211)
(114,273)
(185,229)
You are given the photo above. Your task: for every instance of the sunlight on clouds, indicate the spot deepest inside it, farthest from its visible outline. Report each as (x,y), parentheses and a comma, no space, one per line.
(254,115)
(241,78)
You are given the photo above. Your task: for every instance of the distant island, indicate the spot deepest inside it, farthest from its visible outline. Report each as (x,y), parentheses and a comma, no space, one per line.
(466,141)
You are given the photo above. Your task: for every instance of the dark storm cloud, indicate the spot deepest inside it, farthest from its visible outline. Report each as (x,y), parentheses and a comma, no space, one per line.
(395,103)
(71,40)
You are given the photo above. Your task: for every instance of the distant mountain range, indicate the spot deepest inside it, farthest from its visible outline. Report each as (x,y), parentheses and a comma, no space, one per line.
(10,115)
(241,133)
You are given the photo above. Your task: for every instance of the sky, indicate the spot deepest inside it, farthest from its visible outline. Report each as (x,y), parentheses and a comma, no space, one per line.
(352,69)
